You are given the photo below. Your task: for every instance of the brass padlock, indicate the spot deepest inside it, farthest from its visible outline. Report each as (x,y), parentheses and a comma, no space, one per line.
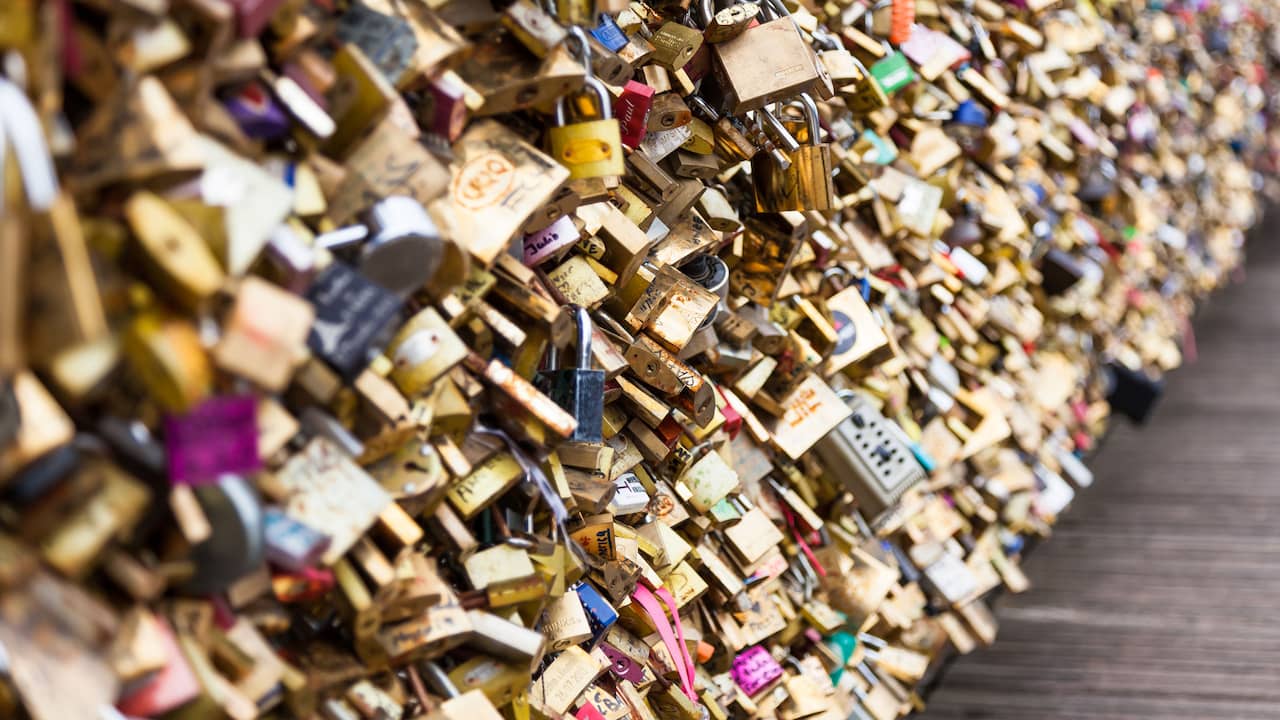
(590,147)
(806,184)
(766,63)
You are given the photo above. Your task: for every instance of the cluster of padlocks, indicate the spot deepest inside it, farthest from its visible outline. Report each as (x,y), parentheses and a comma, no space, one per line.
(393,359)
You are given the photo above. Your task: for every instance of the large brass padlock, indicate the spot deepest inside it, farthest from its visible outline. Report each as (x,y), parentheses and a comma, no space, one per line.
(806,184)
(766,63)
(589,147)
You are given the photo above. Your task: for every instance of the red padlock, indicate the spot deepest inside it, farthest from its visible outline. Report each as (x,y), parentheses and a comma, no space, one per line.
(448,106)
(632,111)
(900,20)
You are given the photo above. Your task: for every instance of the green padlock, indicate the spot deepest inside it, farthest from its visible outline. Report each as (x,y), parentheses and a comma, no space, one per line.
(893,73)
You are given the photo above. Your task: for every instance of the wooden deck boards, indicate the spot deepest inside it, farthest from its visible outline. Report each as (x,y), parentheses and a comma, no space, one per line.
(1158,595)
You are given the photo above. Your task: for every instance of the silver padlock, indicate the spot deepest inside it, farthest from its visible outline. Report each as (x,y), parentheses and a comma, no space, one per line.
(399,246)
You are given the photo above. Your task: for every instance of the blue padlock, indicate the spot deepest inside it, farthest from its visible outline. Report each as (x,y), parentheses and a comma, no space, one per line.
(970,113)
(609,34)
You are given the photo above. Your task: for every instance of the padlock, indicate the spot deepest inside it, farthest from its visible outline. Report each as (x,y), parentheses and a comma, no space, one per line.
(235,544)
(402,250)
(592,147)
(471,705)
(867,452)
(668,112)
(806,184)
(765,63)
(632,110)
(727,23)
(502,72)
(674,45)
(580,389)
(534,28)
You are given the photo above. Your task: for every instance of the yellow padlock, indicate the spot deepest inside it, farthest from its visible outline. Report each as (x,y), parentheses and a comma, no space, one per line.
(590,147)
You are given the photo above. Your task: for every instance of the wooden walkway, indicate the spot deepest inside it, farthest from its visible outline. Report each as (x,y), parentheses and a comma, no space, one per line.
(1158,595)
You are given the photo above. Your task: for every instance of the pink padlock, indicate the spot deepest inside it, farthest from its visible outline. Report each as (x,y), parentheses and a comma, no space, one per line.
(754,669)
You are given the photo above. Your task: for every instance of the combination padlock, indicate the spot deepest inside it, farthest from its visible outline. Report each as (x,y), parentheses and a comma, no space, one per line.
(580,389)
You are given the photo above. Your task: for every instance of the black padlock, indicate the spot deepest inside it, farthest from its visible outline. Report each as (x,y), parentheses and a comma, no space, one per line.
(10,413)
(1060,271)
(580,389)
(1132,393)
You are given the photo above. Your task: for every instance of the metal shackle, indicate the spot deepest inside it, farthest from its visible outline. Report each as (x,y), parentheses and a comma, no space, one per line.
(438,679)
(777,131)
(592,85)
(811,118)
(583,340)
(584,49)
(706,11)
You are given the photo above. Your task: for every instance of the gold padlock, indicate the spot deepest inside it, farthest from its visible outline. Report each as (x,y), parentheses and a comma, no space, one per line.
(806,183)
(765,63)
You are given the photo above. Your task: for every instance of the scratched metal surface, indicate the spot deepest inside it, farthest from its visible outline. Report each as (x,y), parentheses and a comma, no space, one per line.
(1158,594)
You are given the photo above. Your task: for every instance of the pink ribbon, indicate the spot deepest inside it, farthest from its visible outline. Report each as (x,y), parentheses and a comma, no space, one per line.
(673,638)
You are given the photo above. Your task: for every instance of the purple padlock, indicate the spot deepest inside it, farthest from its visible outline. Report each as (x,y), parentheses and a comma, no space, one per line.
(754,669)
(218,437)
(548,241)
(257,112)
(622,667)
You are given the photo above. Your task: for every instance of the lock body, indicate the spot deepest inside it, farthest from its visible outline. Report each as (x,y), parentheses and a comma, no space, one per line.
(588,147)
(870,458)
(580,390)
(806,185)
(764,64)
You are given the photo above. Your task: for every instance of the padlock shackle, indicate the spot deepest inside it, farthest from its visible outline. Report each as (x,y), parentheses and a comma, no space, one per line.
(20,125)
(699,103)
(583,51)
(778,132)
(583,339)
(438,679)
(706,12)
(591,84)
(811,117)
(836,271)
